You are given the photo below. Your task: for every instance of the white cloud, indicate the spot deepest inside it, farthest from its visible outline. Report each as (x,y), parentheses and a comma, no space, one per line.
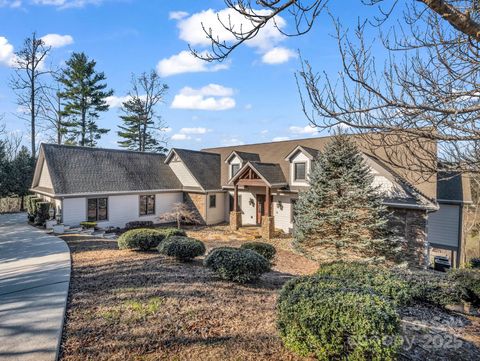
(303,130)
(248,106)
(114,101)
(177,15)
(180,136)
(192,32)
(232,141)
(278,55)
(280,139)
(7,55)
(65,4)
(57,40)
(199,130)
(210,97)
(186,62)
(10,3)
(265,131)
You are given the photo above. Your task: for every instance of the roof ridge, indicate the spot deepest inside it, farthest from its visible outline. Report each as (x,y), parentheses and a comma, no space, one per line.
(80,147)
(196,151)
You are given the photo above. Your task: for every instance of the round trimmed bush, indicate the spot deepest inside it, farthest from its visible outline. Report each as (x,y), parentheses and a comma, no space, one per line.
(375,278)
(142,239)
(264,249)
(317,317)
(237,264)
(182,248)
(170,232)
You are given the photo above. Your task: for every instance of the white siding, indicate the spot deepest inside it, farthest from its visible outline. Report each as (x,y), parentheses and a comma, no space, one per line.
(216,215)
(183,174)
(282,211)
(121,209)
(299,158)
(443,225)
(45,180)
(74,211)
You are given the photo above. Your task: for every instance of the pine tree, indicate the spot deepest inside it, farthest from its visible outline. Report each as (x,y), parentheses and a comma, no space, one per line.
(142,127)
(22,168)
(85,97)
(341,211)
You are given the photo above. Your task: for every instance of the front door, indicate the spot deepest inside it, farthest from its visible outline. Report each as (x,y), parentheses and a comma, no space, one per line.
(260,207)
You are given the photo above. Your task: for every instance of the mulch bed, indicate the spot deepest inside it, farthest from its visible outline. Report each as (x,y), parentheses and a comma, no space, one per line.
(142,306)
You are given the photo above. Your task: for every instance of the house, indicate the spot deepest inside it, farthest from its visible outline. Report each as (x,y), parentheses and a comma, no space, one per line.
(247,185)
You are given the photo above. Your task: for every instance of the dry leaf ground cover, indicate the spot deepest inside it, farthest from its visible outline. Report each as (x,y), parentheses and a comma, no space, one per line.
(142,306)
(127,305)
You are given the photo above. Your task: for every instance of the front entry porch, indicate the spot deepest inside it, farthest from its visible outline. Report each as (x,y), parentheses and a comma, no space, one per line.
(251,176)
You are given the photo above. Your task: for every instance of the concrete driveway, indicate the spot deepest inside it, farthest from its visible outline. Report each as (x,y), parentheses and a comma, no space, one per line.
(34,280)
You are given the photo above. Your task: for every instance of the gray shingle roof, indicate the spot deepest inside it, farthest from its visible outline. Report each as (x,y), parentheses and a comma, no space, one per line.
(205,167)
(76,170)
(248,157)
(453,186)
(270,171)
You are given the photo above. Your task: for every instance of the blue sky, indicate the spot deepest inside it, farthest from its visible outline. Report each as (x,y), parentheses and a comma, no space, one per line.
(252,97)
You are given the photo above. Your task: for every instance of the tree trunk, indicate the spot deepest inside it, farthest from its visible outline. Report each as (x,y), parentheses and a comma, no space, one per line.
(84,128)
(32,109)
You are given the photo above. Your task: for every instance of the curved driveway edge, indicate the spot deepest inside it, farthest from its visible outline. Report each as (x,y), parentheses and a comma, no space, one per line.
(34,281)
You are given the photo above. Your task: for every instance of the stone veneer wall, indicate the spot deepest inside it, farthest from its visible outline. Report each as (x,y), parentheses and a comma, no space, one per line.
(410,225)
(198,202)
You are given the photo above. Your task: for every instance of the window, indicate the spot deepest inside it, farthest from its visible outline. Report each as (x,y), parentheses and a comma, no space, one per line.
(235,169)
(300,171)
(212,201)
(147,205)
(97,209)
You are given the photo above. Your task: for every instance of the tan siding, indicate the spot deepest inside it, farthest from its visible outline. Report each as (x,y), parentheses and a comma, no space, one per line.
(183,174)
(216,215)
(45,180)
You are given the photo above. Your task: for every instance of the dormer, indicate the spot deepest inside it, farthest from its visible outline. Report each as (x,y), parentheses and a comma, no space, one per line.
(236,160)
(300,159)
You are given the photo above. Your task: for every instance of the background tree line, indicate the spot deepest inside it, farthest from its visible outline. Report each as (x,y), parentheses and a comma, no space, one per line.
(65,104)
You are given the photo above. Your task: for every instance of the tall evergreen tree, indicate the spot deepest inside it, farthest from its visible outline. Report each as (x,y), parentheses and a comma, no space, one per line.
(142,128)
(341,211)
(22,167)
(85,96)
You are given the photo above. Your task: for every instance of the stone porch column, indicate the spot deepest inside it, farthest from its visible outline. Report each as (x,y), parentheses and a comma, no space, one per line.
(268,227)
(235,220)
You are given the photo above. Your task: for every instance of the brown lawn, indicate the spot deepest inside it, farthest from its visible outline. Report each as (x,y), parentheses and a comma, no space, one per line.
(142,306)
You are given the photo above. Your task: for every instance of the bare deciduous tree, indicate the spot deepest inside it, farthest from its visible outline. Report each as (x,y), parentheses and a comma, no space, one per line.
(52,111)
(181,213)
(26,83)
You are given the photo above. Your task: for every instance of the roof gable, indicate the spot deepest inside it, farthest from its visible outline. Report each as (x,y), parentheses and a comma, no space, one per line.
(203,166)
(270,173)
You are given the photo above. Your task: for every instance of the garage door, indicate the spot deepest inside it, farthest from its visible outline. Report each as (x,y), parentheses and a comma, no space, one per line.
(443,225)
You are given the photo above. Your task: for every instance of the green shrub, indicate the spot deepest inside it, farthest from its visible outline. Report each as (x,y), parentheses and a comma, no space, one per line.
(430,287)
(32,207)
(236,264)
(41,213)
(139,224)
(380,280)
(317,317)
(169,232)
(467,282)
(88,225)
(182,248)
(474,262)
(140,239)
(264,249)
